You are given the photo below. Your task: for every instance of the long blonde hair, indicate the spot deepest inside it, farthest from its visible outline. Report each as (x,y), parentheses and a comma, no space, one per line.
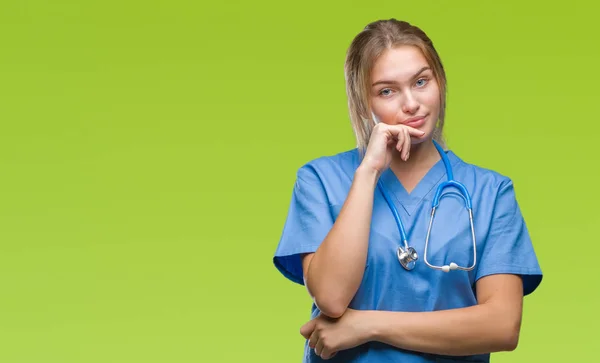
(365,48)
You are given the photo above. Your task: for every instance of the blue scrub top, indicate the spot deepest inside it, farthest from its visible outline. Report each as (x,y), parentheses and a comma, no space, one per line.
(503,243)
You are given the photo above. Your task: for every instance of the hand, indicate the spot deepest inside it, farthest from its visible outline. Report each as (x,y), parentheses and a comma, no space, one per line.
(328,336)
(384,139)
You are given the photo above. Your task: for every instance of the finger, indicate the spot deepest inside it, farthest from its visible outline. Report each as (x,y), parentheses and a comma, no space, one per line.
(319,347)
(391,139)
(406,147)
(413,132)
(401,145)
(312,342)
(390,135)
(327,353)
(395,129)
(307,329)
(400,142)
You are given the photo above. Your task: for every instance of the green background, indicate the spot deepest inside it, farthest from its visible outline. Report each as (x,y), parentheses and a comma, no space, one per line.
(148,152)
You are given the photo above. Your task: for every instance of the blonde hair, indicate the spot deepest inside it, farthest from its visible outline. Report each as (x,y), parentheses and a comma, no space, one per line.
(364,50)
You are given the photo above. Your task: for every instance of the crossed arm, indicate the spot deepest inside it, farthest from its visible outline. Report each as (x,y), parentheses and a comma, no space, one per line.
(490,326)
(334,272)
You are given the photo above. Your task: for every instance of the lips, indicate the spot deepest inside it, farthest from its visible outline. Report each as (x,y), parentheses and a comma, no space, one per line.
(415,122)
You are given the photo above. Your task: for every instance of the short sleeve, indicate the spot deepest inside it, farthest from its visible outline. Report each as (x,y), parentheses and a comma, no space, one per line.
(508,248)
(308,221)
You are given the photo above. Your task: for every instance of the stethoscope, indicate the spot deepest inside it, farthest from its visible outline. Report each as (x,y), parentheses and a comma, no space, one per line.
(407,255)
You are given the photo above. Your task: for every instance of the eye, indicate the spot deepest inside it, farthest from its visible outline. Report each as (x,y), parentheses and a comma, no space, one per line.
(385,92)
(421,82)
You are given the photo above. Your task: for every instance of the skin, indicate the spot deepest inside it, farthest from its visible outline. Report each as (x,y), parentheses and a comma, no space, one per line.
(403,88)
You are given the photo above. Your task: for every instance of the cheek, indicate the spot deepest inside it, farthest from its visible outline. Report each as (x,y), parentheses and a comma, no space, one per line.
(386,111)
(431,99)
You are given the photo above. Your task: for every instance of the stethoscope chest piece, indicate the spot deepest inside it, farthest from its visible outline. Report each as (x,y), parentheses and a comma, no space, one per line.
(407,258)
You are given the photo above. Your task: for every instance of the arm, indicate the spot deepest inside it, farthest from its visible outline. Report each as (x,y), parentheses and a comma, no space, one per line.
(492,325)
(334,272)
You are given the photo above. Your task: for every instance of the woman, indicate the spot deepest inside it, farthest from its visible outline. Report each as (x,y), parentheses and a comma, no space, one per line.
(452,292)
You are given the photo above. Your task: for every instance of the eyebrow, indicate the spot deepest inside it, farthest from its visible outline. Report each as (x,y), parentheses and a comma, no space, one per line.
(392,82)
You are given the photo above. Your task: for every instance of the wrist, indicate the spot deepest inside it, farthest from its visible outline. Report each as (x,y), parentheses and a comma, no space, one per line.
(372,326)
(367,174)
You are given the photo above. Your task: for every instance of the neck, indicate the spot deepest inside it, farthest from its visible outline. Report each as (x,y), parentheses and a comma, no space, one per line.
(422,156)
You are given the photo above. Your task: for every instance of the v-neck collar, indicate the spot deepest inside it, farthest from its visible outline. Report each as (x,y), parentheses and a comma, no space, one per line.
(410,201)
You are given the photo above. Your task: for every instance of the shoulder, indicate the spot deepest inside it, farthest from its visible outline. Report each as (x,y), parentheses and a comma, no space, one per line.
(341,165)
(329,177)
(483,176)
(485,184)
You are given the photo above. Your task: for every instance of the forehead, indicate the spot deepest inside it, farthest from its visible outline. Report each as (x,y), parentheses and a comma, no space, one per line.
(399,63)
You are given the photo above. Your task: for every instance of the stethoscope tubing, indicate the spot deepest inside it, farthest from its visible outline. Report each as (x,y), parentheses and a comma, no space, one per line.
(408,255)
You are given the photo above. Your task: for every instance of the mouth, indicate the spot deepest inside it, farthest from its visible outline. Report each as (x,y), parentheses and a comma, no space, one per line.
(415,122)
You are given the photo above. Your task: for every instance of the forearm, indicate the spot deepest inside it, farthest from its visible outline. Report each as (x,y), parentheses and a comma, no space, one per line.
(336,269)
(478,329)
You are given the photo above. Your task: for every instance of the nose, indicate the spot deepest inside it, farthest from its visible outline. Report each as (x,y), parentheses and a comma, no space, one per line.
(410,104)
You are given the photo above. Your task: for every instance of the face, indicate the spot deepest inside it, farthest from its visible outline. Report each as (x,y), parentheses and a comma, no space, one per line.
(404,90)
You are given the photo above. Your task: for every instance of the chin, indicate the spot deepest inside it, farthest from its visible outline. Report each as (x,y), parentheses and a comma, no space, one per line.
(418,140)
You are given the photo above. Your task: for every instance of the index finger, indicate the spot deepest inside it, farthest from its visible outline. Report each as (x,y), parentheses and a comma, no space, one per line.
(307,329)
(412,131)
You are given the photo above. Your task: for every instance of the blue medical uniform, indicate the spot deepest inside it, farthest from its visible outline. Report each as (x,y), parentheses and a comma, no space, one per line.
(503,243)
